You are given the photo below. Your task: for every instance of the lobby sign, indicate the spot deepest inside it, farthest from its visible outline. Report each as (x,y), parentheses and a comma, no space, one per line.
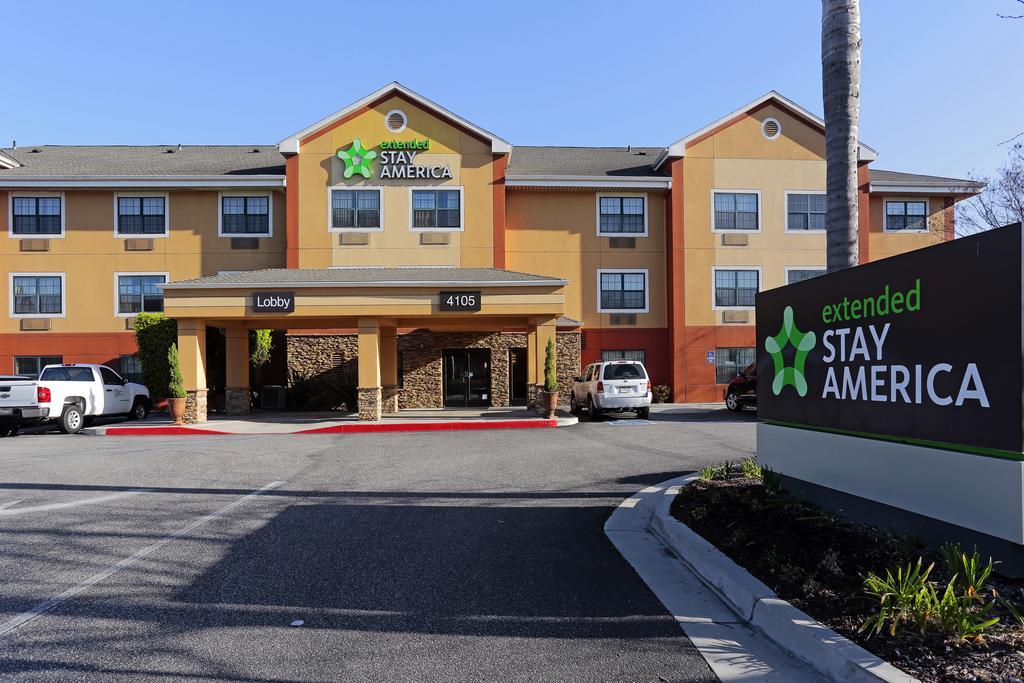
(460,301)
(923,347)
(273,302)
(396,160)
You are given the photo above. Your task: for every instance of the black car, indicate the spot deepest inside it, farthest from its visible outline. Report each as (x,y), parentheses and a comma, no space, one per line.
(742,391)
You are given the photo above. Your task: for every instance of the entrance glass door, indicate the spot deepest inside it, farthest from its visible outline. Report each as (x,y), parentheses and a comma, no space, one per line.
(467,378)
(517,377)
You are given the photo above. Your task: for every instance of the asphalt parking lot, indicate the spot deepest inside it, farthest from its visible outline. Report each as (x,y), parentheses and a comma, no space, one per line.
(440,556)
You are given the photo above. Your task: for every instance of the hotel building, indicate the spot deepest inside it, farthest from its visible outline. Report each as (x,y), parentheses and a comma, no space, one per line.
(402,248)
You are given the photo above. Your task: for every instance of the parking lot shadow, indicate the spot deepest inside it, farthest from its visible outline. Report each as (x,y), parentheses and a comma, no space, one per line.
(534,571)
(723,415)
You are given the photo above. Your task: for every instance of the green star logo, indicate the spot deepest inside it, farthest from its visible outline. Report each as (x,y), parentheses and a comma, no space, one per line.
(357,159)
(803,342)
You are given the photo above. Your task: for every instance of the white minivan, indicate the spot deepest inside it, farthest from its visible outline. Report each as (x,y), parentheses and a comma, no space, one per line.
(617,386)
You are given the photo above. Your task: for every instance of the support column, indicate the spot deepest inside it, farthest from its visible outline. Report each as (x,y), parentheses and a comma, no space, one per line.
(389,369)
(531,365)
(369,369)
(236,400)
(192,354)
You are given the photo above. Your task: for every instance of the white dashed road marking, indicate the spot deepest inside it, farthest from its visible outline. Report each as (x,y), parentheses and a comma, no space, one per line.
(61,598)
(6,511)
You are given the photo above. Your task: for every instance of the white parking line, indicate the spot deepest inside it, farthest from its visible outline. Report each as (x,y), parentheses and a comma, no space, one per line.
(6,512)
(60,598)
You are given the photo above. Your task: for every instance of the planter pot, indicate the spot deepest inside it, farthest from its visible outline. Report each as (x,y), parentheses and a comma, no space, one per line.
(548,403)
(177,409)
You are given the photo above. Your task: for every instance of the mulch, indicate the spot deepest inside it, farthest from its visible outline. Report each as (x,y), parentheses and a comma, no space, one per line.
(817,561)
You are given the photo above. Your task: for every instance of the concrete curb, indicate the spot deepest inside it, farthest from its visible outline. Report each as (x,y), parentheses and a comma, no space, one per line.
(353,428)
(796,632)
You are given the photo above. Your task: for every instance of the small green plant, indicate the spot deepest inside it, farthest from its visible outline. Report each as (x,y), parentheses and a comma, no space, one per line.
(716,472)
(750,468)
(968,570)
(260,345)
(550,372)
(959,611)
(176,384)
(771,479)
(661,394)
(899,597)
(1014,610)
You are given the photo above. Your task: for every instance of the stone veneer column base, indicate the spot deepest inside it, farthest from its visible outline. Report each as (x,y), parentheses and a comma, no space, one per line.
(236,401)
(369,403)
(531,396)
(195,406)
(389,399)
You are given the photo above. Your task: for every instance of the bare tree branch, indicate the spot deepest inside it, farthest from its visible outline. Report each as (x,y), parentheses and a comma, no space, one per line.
(1000,203)
(1011,16)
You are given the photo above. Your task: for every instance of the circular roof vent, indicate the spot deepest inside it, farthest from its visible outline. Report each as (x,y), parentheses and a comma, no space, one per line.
(396,120)
(771,128)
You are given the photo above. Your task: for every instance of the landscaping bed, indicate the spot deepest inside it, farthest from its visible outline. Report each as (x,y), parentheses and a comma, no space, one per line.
(819,563)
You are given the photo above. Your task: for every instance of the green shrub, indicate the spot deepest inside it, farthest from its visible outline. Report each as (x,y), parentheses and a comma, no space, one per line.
(750,468)
(154,335)
(550,373)
(968,571)
(960,612)
(176,383)
(716,472)
(261,343)
(661,394)
(772,480)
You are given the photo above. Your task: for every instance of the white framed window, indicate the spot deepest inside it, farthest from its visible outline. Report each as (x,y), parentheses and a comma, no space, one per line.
(906,215)
(805,211)
(736,210)
(735,288)
(136,293)
(622,290)
(36,214)
(796,274)
(435,209)
(37,295)
(141,214)
(355,209)
(245,214)
(621,215)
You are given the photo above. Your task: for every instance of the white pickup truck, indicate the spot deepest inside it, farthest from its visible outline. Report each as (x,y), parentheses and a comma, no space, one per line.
(71,395)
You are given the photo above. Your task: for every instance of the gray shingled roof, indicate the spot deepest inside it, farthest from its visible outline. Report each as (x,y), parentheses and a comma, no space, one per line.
(882,176)
(150,160)
(583,161)
(296,277)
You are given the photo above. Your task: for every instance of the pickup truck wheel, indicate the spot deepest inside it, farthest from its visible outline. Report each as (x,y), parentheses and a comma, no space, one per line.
(8,431)
(72,420)
(140,409)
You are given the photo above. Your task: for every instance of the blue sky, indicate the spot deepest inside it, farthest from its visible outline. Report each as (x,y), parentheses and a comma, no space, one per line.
(941,79)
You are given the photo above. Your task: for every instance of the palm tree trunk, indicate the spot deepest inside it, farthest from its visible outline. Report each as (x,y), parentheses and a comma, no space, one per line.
(840,81)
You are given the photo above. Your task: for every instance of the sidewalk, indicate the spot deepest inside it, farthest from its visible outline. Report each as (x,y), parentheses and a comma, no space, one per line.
(274,422)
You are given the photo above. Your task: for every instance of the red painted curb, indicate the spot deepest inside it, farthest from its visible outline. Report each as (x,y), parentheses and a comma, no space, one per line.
(357,428)
(161,431)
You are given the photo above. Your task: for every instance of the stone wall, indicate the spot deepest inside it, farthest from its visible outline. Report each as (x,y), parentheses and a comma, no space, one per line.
(333,358)
(195,406)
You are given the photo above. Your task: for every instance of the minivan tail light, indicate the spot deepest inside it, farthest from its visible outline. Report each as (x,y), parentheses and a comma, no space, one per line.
(42,395)
(600,387)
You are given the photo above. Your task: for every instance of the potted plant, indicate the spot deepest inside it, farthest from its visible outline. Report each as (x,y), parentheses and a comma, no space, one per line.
(549,396)
(176,386)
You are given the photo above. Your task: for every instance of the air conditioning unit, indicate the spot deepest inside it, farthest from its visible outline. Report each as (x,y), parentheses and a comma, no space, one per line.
(273,397)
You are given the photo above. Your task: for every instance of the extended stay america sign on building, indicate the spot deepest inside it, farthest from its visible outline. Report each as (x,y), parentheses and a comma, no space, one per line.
(925,346)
